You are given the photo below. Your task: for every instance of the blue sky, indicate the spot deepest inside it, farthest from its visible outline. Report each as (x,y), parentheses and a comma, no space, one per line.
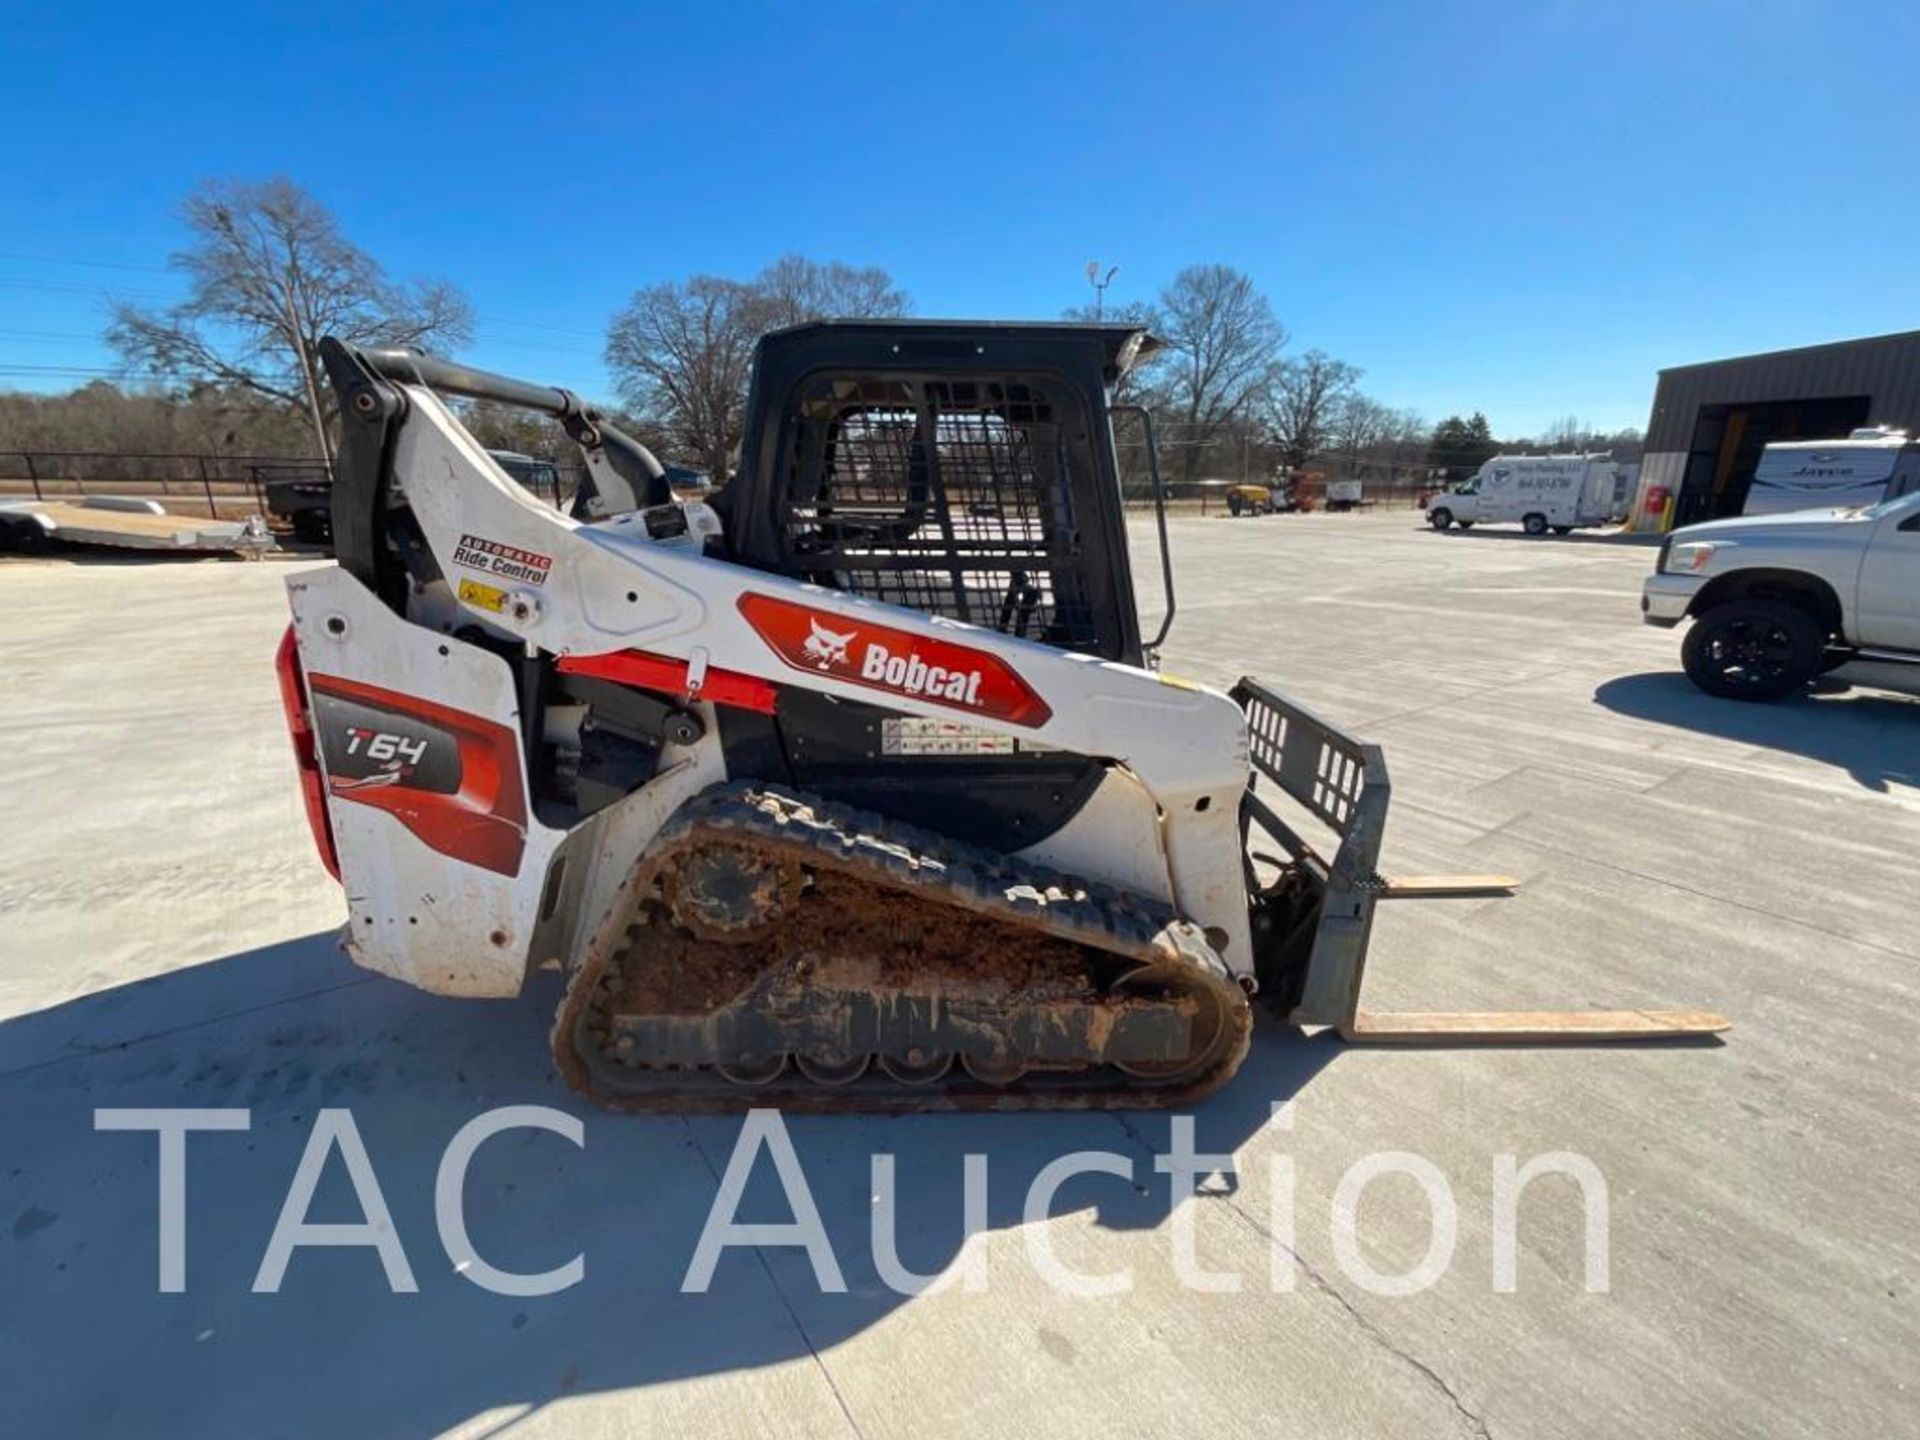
(1521,208)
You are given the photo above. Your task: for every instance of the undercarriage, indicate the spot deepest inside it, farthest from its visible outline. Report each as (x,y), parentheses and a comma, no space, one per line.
(776,949)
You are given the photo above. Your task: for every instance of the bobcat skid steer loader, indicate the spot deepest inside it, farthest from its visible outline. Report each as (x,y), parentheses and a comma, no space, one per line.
(852,788)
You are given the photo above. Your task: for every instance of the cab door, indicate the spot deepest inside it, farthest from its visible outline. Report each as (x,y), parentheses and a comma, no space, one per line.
(1464,500)
(1889,595)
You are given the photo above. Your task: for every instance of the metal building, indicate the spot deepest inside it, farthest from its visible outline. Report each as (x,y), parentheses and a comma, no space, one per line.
(1711,421)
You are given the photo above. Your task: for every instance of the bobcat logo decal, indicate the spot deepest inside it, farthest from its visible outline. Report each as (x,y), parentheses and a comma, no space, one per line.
(823,648)
(925,664)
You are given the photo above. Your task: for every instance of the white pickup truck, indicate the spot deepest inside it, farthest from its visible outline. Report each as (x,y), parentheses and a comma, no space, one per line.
(1778,599)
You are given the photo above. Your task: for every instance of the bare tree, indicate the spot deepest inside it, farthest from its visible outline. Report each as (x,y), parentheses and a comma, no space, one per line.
(1139,384)
(1301,400)
(1138,314)
(681,352)
(1223,337)
(1626,444)
(796,289)
(269,274)
(1569,432)
(507,427)
(1407,437)
(1358,428)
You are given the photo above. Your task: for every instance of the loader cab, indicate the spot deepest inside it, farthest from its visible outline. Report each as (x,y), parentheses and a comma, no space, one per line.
(964,470)
(956,468)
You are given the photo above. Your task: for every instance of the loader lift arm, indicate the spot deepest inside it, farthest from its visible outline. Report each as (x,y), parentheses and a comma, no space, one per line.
(1314,922)
(622,474)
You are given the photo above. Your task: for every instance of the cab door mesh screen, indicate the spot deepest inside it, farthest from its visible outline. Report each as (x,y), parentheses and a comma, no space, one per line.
(948,497)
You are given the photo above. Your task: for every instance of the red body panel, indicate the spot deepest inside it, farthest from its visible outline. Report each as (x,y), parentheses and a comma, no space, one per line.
(293,700)
(656,672)
(476,811)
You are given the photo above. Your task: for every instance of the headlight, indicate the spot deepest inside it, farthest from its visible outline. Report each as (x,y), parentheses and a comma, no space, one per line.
(1689,558)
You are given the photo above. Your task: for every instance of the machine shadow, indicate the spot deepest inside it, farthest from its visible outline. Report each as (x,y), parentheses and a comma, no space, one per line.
(1875,738)
(291,1028)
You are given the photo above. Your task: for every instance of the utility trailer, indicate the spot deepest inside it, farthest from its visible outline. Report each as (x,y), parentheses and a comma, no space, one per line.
(124,523)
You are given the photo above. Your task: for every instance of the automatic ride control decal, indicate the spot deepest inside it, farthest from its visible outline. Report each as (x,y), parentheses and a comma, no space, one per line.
(505,562)
(880,657)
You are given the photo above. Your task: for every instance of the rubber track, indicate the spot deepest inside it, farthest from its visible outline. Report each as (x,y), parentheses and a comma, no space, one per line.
(917,864)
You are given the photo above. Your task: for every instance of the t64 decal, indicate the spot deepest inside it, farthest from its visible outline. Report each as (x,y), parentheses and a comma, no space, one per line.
(450,777)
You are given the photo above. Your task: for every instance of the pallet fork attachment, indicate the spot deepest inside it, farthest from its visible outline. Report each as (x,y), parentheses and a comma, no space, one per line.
(1313,923)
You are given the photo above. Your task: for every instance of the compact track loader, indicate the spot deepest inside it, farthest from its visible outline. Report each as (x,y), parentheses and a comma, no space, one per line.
(855,787)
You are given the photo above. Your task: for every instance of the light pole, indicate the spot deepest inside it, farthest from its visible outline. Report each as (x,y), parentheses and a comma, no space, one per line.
(1100,284)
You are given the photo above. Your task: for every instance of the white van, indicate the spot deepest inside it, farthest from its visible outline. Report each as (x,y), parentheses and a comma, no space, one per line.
(1542,492)
(1867,467)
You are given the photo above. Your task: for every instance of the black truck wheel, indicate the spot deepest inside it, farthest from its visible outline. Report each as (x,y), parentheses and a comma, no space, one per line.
(1534,524)
(1753,650)
(1440,519)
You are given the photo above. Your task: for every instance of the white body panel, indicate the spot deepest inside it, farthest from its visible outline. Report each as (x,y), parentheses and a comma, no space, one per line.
(414,913)
(1889,596)
(593,589)
(1117,830)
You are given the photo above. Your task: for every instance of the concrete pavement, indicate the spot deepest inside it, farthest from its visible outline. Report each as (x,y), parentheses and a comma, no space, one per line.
(165,944)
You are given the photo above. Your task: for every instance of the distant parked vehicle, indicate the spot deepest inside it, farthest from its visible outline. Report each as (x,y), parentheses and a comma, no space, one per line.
(302,498)
(1345,495)
(1543,492)
(302,495)
(688,484)
(1254,499)
(1870,465)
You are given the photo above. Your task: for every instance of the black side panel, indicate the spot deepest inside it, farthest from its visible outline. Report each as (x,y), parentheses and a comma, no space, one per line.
(840,749)
(751,744)
(370,411)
